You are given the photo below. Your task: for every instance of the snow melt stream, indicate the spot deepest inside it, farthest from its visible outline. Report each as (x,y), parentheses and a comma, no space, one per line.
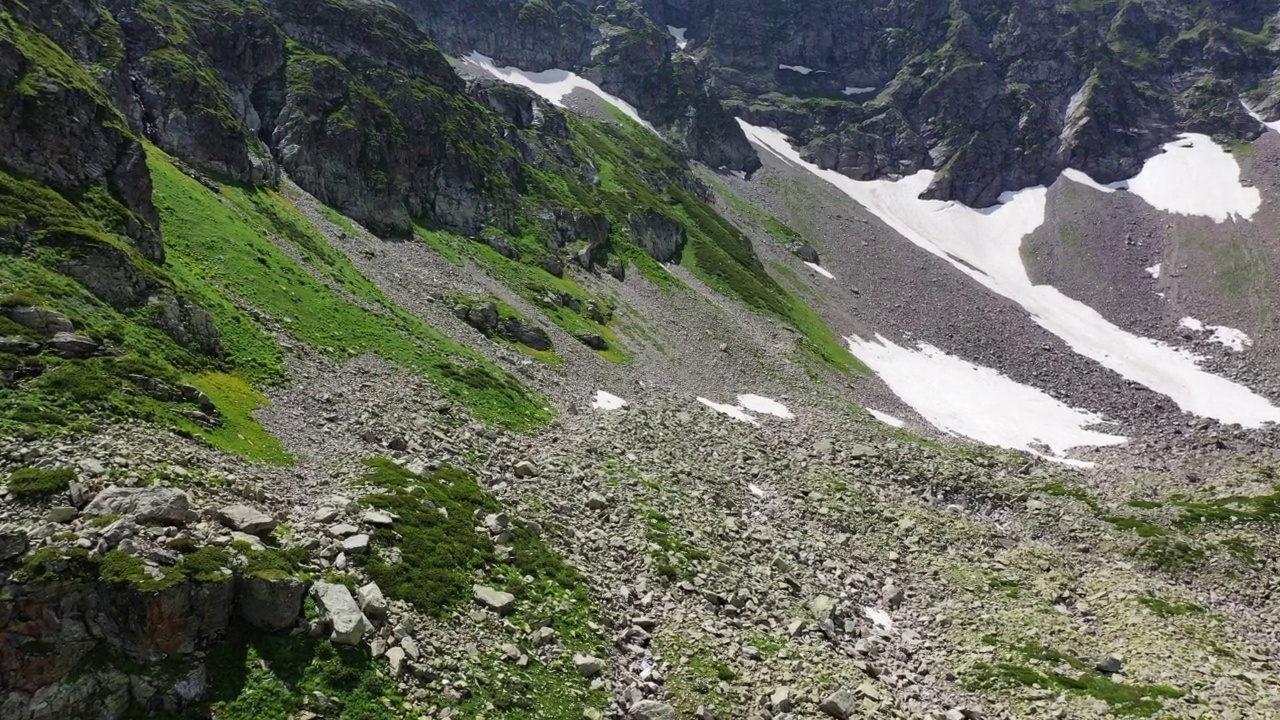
(553,84)
(984,244)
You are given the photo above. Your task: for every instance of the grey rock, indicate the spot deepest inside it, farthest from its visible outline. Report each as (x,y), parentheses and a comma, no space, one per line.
(411,647)
(1109,664)
(596,501)
(42,320)
(806,253)
(821,607)
(652,710)
(73,346)
(269,603)
(840,704)
(780,700)
(377,518)
(166,506)
(526,469)
(356,544)
(246,519)
(342,530)
(587,665)
(503,603)
(396,661)
(372,602)
(13,541)
(542,636)
(61,514)
(336,606)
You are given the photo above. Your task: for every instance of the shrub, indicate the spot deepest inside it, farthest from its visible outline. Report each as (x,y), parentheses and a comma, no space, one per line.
(32,482)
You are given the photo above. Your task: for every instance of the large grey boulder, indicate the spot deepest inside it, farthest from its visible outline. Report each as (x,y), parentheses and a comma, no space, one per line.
(840,704)
(247,520)
(336,606)
(44,321)
(372,602)
(652,710)
(13,541)
(166,506)
(73,346)
(500,602)
(270,604)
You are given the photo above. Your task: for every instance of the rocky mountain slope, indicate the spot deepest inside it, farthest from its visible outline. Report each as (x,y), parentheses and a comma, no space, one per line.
(339,378)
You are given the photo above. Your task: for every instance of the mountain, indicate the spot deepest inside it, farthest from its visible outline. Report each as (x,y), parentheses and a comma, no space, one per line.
(418,359)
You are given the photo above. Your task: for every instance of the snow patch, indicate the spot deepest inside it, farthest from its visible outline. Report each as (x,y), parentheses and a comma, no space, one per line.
(858,90)
(820,270)
(553,84)
(1274,124)
(881,618)
(678,34)
(608,401)
(984,244)
(1195,176)
(796,68)
(977,402)
(1228,336)
(886,418)
(732,411)
(765,406)
(1153,271)
(1079,177)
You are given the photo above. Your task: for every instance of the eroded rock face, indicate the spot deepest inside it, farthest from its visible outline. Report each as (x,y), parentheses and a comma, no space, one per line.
(269,604)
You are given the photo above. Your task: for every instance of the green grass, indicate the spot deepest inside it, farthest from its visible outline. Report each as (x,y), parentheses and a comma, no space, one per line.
(1032,664)
(40,482)
(218,239)
(239,433)
(1169,609)
(675,558)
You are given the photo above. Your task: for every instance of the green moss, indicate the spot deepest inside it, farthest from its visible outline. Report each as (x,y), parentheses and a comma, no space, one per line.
(36,482)
(275,563)
(239,432)
(121,567)
(1169,609)
(675,558)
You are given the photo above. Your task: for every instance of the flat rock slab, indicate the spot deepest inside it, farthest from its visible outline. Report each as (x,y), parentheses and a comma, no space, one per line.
(166,506)
(246,519)
(336,605)
(503,603)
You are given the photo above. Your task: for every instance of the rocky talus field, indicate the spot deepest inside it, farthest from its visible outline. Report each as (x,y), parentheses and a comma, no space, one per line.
(556,360)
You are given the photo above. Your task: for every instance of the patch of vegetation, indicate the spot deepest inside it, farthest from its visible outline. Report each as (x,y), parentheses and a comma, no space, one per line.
(121,567)
(39,482)
(440,547)
(256,676)
(533,693)
(695,679)
(675,557)
(1169,609)
(1262,509)
(1033,664)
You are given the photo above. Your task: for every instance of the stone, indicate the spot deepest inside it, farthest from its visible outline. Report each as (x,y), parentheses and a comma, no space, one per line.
(410,647)
(652,710)
(596,501)
(342,530)
(13,542)
(840,704)
(269,603)
(326,514)
(44,321)
(893,596)
(822,607)
(805,253)
(336,606)
(542,636)
(377,518)
(157,505)
(503,603)
(61,514)
(253,541)
(356,544)
(780,700)
(395,661)
(372,602)
(526,469)
(587,665)
(1109,664)
(245,519)
(73,346)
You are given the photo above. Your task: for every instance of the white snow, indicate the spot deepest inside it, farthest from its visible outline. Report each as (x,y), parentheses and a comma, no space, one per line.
(820,270)
(1076,176)
(886,418)
(976,402)
(764,406)
(732,411)
(857,90)
(608,401)
(678,34)
(553,84)
(984,244)
(1274,124)
(1195,176)
(1153,271)
(796,68)
(1228,336)
(881,618)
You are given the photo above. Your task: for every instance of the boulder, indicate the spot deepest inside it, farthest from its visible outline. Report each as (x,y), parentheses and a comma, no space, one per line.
(805,253)
(245,519)
(526,469)
(503,603)
(356,544)
(587,665)
(337,607)
(270,604)
(13,542)
(44,321)
(652,710)
(372,602)
(593,341)
(822,607)
(166,506)
(395,660)
(840,704)
(73,346)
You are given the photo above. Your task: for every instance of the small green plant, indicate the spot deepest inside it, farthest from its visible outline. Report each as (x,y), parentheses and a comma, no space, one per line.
(38,482)
(1169,609)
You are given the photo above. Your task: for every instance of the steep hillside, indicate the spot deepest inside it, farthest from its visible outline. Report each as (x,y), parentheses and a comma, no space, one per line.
(600,368)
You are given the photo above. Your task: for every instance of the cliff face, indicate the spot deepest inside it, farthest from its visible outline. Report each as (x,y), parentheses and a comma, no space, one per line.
(995,95)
